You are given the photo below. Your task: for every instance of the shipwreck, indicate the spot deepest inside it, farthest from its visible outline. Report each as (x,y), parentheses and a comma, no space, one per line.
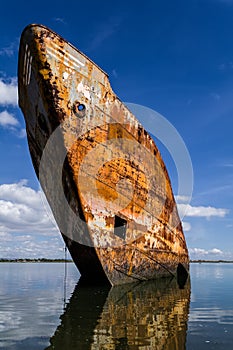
(101,171)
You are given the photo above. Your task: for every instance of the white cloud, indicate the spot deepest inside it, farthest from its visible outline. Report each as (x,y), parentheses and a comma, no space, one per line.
(8,93)
(28,246)
(201,211)
(205,252)
(8,50)
(186,226)
(5,237)
(60,20)
(228,165)
(9,122)
(182,199)
(27,227)
(215,251)
(23,210)
(7,119)
(200,253)
(209,254)
(21,133)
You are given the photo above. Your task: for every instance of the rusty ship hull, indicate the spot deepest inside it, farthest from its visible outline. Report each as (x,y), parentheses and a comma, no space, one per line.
(102,174)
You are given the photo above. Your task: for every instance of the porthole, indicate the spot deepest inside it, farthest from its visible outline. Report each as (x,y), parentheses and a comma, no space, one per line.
(79,109)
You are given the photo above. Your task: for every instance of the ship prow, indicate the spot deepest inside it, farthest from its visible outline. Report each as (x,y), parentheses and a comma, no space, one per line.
(101,172)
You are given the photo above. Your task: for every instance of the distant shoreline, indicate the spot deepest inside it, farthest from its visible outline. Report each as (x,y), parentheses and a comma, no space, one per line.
(39,260)
(212,261)
(44,260)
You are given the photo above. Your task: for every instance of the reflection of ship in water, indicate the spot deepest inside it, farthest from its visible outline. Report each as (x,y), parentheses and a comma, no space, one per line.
(145,316)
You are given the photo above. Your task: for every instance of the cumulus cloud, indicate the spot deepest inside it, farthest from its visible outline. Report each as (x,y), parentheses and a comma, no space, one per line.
(23,210)
(9,98)
(27,227)
(7,119)
(215,251)
(5,237)
(208,254)
(198,251)
(9,122)
(201,211)
(28,246)
(8,92)
(202,251)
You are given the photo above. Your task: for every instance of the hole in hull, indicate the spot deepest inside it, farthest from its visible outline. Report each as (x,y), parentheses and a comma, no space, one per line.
(120,227)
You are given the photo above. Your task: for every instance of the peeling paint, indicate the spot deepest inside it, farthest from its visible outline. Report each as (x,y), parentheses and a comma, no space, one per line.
(113,167)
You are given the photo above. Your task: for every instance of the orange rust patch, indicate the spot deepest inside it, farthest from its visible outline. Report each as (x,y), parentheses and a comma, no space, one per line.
(119,169)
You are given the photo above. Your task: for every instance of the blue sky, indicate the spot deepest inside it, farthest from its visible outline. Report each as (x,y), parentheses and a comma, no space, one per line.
(175,57)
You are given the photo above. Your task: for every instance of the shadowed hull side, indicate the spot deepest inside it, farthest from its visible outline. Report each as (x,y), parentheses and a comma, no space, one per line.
(87,262)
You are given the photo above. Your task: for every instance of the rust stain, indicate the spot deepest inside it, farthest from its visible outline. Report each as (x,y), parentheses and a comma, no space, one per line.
(109,165)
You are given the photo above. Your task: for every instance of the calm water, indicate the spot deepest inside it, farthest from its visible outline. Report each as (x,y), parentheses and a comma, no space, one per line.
(41,309)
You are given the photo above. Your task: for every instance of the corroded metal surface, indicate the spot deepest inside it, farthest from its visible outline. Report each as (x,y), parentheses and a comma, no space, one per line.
(112,171)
